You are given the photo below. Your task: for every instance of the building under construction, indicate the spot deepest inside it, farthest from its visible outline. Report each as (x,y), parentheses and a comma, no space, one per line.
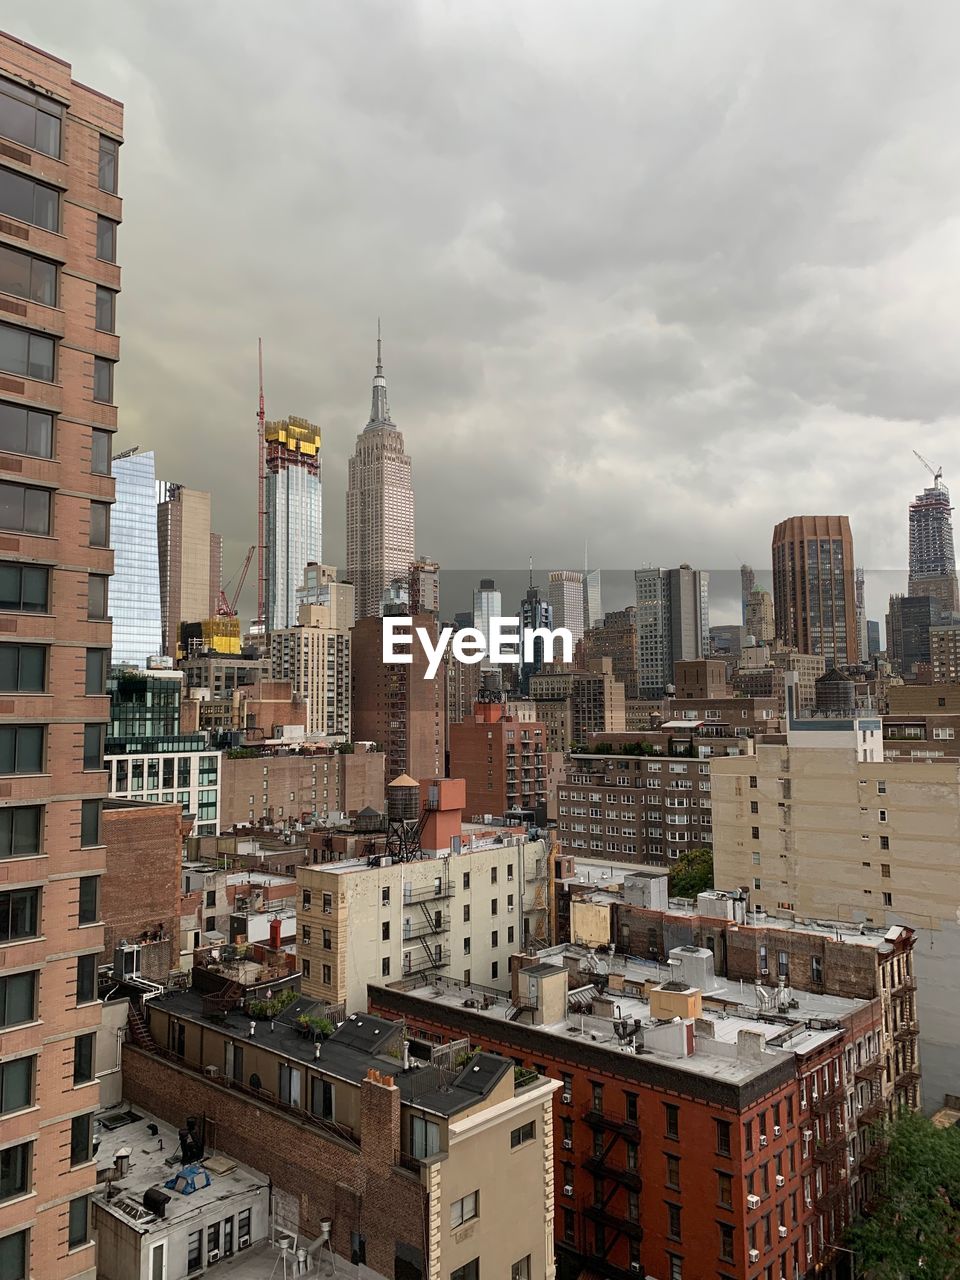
(292,514)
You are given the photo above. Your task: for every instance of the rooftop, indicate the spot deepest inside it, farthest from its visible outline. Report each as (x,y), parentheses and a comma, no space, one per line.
(154,1154)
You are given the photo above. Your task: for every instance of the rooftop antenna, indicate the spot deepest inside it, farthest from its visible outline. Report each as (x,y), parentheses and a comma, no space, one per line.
(261,498)
(937,474)
(531,573)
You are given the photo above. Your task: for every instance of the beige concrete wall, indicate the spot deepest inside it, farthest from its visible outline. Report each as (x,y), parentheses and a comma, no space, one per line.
(590,923)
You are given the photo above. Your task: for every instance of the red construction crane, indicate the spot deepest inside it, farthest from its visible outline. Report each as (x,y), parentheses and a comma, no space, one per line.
(227,608)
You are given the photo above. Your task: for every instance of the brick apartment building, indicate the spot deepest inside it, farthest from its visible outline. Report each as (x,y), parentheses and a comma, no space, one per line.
(573,704)
(59,213)
(504,761)
(615,639)
(695,1134)
(280,786)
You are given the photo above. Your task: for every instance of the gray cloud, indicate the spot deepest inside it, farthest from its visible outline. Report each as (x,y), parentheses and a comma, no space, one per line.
(654,274)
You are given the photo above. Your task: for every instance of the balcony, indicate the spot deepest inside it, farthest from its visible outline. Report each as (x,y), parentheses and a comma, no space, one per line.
(872,1112)
(442,887)
(425,928)
(625,1177)
(906,984)
(597,1213)
(828,1150)
(870,1070)
(909,1075)
(906,1030)
(617,1124)
(829,1196)
(824,1102)
(425,960)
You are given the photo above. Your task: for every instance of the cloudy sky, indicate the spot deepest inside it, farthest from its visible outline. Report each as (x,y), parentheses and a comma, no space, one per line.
(652,274)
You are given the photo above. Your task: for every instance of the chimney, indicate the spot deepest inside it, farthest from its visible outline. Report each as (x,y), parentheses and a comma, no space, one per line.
(379,1120)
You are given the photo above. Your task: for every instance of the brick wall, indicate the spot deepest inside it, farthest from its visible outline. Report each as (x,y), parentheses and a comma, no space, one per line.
(141,887)
(359,1189)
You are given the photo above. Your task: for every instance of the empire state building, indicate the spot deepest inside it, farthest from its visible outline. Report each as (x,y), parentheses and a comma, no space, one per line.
(380,504)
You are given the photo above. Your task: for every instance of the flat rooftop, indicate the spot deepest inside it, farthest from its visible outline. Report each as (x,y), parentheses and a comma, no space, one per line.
(153,1149)
(361,1042)
(260,877)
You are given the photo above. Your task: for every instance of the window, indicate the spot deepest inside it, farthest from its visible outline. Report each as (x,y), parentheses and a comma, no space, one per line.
(106,239)
(83,1056)
(494,938)
(493,875)
(726,1242)
(101,446)
(754,806)
(24,588)
(18,999)
(90,814)
(86,979)
(495,969)
(26,354)
(24,509)
(32,119)
(327,939)
(725,1189)
(385,931)
(19,914)
(671,1115)
(882,815)
(469,1271)
(630,1107)
(29,201)
(885,870)
(13,1256)
(385,967)
(493,906)
(525,1133)
(97,597)
(673,1172)
(99,524)
(109,158)
(16,1085)
(88,907)
(753,782)
(888,899)
(424,1137)
(466,880)
(20,831)
(466,946)
(326,975)
(93,746)
(79,1232)
(385,896)
(194,1251)
(463,1210)
(816,970)
(15,1171)
(106,310)
(466,913)
(103,380)
(673,1221)
(521,1270)
(25,276)
(884,842)
(96,676)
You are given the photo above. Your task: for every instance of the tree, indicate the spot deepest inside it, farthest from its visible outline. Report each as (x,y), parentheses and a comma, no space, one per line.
(691,874)
(914,1229)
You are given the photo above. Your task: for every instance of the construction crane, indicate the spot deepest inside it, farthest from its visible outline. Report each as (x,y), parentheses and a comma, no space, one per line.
(227,608)
(937,475)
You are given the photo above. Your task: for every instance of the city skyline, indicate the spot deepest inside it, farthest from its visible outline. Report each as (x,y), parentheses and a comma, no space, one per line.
(649,355)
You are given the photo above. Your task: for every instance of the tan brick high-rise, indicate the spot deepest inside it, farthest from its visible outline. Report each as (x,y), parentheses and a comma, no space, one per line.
(813,587)
(59,214)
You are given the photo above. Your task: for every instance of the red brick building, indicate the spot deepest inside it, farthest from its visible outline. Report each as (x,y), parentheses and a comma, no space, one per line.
(140,897)
(503,760)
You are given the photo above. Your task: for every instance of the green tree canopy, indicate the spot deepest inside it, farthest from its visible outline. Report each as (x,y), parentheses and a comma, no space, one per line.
(914,1230)
(691,874)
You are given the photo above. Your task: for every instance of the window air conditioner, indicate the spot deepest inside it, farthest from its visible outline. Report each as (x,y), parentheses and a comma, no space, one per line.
(763,1139)
(566,1097)
(753,1202)
(764,972)
(777,1131)
(781,1180)
(754,1255)
(783,1232)
(808,1203)
(568,1189)
(568,1144)
(243,1242)
(213,1255)
(809,1257)
(635,1268)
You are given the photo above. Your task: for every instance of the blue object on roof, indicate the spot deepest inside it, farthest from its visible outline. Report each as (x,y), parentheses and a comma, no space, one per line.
(191,1178)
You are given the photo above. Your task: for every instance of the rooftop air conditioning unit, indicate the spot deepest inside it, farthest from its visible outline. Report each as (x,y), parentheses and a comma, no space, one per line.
(566,1097)
(763,1139)
(568,1144)
(782,1232)
(777,1131)
(568,1189)
(754,1255)
(753,1202)
(781,1180)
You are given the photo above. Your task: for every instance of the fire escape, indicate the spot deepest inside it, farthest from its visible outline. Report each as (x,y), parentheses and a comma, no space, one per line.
(614,1182)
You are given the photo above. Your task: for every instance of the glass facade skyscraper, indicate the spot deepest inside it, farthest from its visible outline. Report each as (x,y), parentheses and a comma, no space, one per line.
(293,514)
(135,588)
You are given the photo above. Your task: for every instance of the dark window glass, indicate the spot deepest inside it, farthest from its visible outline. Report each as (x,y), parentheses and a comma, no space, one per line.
(96,678)
(19,831)
(194,1251)
(100,452)
(29,201)
(21,748)
(671,1120)
(109,155)
(90,812)
(88,911)
(18,998)
(103,380)
(79,1222)
(24,588)
(93,746)
(106,239)
(26,354)
(97,597)
(23,509)
(83,1056)
(30,118)
(22,668)
(86,979)
(723,1137)
(28,431)
(106,311)
(16,1086)
(13,1256)
(673,1221)
(28,277)
(80,1131)
(15,1171)
(99,524)
(19,914)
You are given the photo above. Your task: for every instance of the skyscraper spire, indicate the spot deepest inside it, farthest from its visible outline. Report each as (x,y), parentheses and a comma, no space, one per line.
(379,409)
